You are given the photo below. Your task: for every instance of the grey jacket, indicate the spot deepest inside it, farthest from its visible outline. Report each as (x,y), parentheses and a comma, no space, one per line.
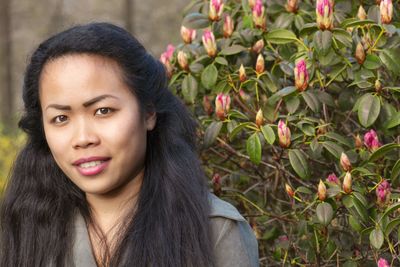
(233,239)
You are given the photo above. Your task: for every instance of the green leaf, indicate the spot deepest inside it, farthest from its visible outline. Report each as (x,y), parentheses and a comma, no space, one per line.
(189,88)
(391,208)
(372,62)
(333,148)
(304,190)
(391,225)
(324,213)
(342,36)
(281,93)
(376,238)
(390,58)
(354,22)
(308,29)
(382,151)
(299,163)
(395,173)
(393,121)
(323,42)
(253,147)
(237,129)
(268,134)
(339,138)
(232,50)
(360,208)
(311,100)
(209,76)
(196,21)
(280,36)
(354,223)
(221,61)
(368,110)
(212,132)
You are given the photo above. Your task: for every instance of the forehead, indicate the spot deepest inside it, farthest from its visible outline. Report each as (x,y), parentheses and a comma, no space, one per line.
(80,76)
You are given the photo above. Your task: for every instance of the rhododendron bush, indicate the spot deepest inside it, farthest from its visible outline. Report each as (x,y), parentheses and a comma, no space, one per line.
(298,104)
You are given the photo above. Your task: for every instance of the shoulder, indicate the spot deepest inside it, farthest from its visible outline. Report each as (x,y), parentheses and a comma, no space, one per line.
(234,242)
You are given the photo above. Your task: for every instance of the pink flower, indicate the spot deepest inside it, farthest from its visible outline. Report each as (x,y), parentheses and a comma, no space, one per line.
(383,263)
(324,12)
(383,192)
(259,17)
(371,140)
(284,134)
(332,178)
(301,75)
(222,105)
(228,26)
(386,9)
(215,10)
(209,42)
(166,57)
(188,35)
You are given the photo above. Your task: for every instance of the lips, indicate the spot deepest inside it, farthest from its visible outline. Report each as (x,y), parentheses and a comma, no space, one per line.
(91,166)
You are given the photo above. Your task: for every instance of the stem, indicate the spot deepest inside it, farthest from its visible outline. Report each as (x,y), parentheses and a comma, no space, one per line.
(377,39)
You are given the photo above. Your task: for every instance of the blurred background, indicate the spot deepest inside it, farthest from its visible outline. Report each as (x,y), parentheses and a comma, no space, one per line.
(25,23)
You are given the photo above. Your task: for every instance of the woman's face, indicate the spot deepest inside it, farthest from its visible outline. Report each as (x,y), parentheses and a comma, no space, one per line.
(92,122)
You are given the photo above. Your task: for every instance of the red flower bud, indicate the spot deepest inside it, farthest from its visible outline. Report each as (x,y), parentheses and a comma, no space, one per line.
(383,192)
(371,140)
(360,53)
(222,105)
(183,60)
(259,16)
(324,12)
(260,64)
(347,183)
(284,134)
(215,10)
(345,162)
(209,43)
(258,46)
(289,190)
(301,75)
(321,191)
(386,8)
(188,35)
(292,6)
(361,14)
(228,26)
(242,74)
(166,58)
(259,118)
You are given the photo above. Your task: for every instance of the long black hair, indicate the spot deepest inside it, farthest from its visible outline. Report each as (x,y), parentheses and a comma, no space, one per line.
(168,227)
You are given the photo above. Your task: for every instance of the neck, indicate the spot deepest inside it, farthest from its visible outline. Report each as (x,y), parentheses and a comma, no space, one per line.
(107,209)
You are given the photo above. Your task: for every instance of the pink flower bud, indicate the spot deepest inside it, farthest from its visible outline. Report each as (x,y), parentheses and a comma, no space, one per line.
(228,26)
(383,263)
(289,190)
(284,134)
(259,17)
(345,162)
(361,14)
(383,192)
(222,105)
(258,46)
(371,140)
(207,105)
(386,8)
(321,191)
(215,10)
(209,42)
(183,60)
(260,64)
(188,35)
(324,12)
(242,74)
(244,95)
(347,183)
(252,3)
(292,6)
(216,182)
(166,57)
(360,53)
(301,75)
(259,118)
(332,178)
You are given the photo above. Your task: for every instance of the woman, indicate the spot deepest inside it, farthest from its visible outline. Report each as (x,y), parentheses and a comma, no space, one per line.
(109,175)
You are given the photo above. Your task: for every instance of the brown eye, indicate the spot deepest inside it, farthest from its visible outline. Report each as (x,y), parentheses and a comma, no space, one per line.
(103,111)
(60,119)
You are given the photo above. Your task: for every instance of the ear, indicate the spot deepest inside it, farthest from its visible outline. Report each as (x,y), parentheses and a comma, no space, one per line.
(151,119)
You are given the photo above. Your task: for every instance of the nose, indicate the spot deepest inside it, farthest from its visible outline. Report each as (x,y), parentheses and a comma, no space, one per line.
(85,135)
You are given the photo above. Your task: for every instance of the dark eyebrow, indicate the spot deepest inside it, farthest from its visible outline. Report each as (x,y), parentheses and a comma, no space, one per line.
(86,104)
